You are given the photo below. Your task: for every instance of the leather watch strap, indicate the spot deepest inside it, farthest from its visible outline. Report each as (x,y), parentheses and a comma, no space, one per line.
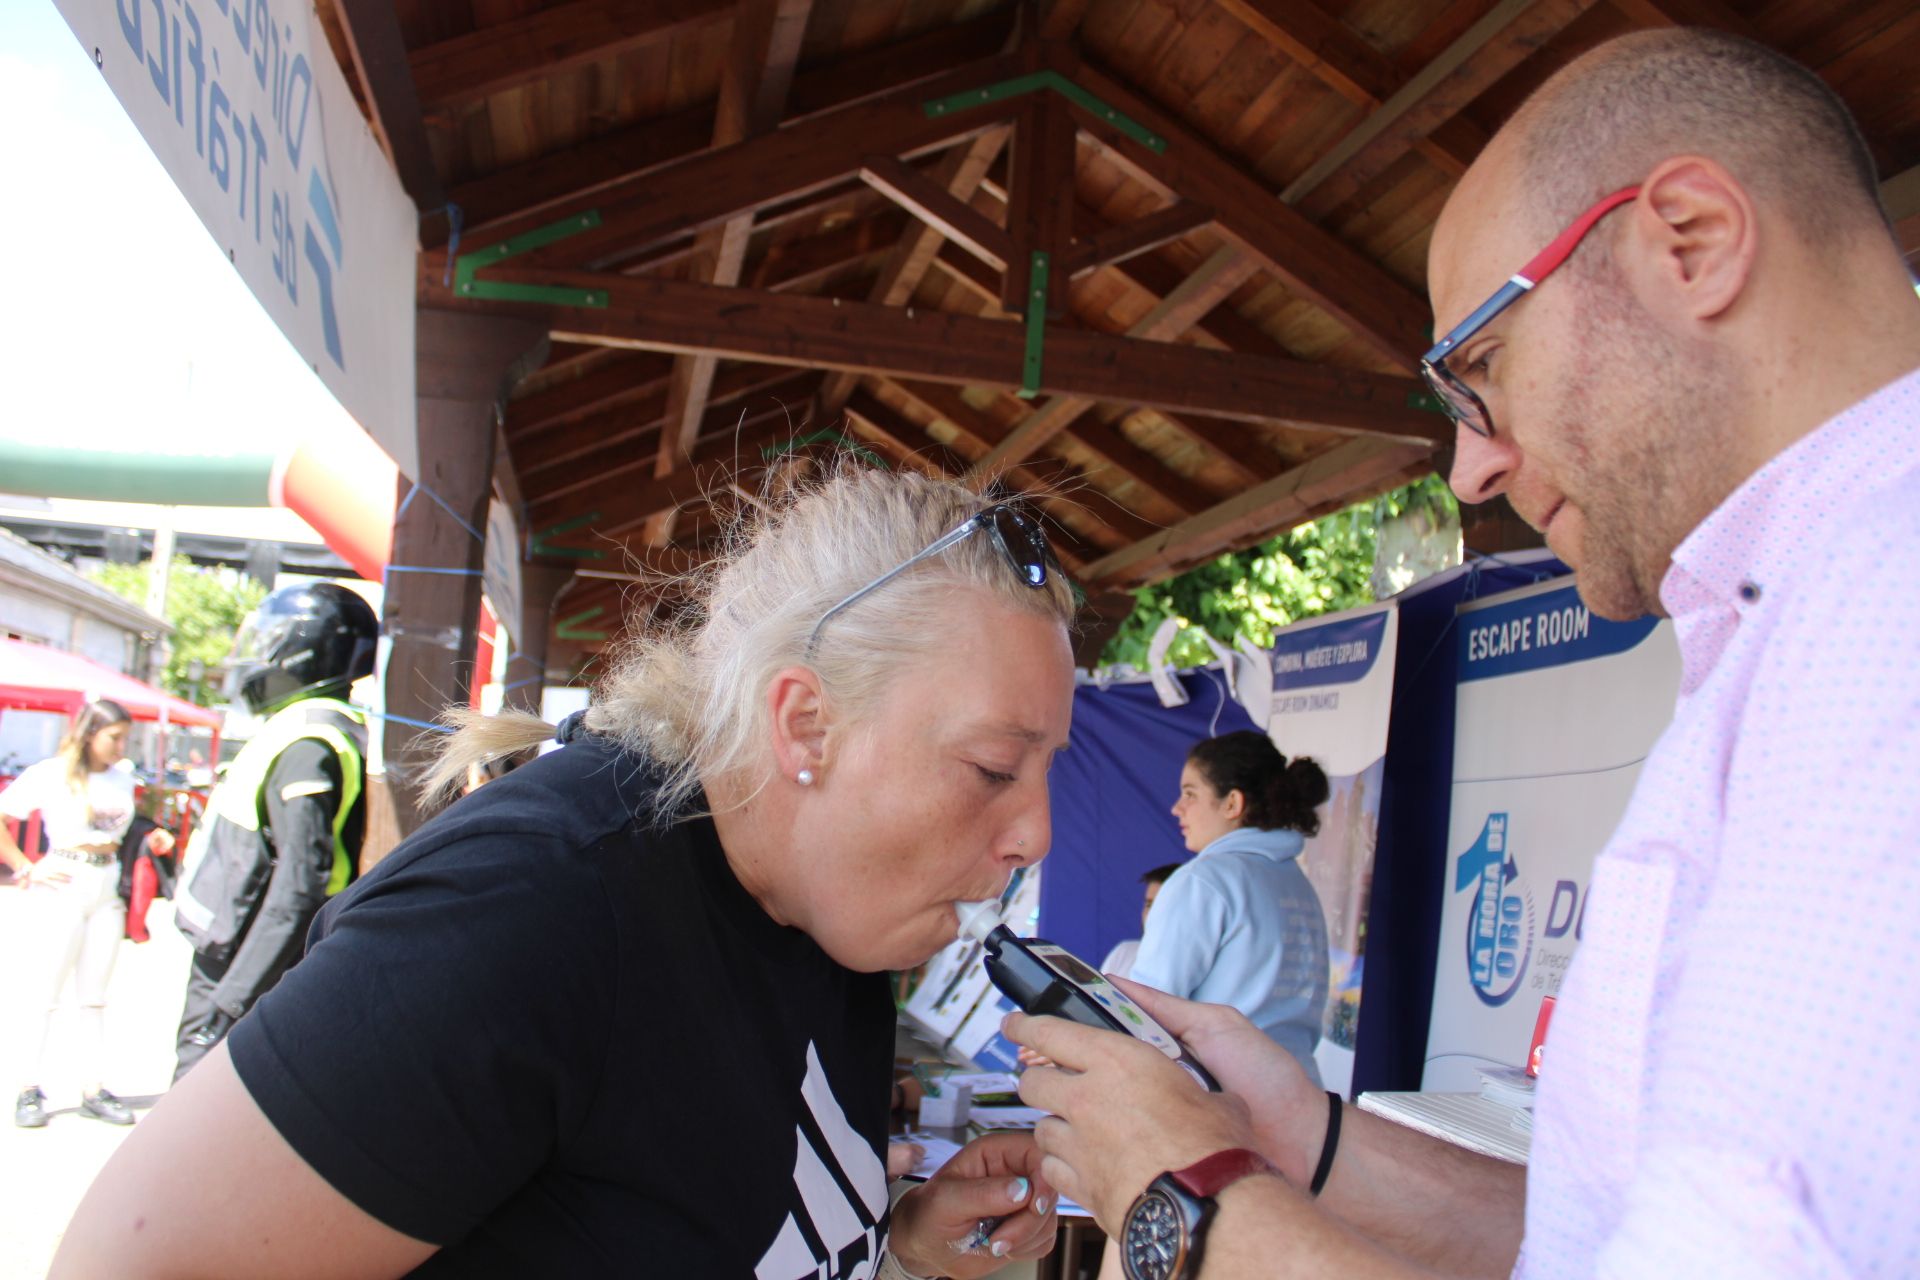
(1209,1177)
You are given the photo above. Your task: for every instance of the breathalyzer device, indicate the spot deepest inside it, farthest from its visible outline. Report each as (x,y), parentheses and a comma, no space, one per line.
(1043,978)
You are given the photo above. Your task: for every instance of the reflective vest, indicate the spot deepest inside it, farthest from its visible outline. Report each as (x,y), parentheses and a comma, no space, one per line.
(231,855)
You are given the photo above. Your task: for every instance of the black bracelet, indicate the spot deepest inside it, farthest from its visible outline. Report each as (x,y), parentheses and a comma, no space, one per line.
(1327,1148)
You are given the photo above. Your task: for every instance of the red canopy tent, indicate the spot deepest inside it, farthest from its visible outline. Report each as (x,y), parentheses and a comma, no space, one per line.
(36,678)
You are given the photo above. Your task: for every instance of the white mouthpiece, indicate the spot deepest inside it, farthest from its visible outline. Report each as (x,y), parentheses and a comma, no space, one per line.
(978,919)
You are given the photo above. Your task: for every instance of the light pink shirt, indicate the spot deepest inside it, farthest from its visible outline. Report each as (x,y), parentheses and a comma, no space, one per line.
(1732,1079)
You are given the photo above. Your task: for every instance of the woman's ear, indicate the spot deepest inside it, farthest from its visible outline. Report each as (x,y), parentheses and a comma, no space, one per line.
(796,713)
(1233,805)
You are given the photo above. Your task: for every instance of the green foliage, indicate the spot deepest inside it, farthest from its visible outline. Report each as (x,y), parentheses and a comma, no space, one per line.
(1315,568)
(205,606)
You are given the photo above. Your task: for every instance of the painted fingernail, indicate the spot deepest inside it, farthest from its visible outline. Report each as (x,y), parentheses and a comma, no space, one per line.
(1001,1248)
(1041,1204)
(1017,1189)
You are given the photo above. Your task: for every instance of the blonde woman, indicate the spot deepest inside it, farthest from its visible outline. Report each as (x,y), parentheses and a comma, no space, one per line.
(85,800)
(625,1010)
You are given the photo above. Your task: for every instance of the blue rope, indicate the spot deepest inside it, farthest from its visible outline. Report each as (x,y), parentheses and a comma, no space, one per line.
(422,568)
(408,720)
(441,502)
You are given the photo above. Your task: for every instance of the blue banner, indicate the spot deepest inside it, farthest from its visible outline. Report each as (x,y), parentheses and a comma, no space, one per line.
(1552,629)
(1336,653)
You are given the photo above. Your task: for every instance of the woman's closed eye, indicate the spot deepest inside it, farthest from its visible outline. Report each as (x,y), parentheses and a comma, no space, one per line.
(994,775)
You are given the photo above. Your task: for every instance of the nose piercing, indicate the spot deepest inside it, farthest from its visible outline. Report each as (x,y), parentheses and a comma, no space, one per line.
(1019,844)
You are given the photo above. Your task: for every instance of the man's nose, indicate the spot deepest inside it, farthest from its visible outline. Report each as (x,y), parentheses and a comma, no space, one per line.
(1481,466)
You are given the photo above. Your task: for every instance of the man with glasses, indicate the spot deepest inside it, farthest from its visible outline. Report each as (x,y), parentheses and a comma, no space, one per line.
(1705,392)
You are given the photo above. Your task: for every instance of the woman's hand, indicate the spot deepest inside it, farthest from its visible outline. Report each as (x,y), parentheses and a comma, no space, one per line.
(160,841)
(935,1226)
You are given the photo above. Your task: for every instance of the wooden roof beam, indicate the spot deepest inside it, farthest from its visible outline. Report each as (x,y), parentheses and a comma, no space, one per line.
(672,315)
(940,209)
(1041,171)
(1123,241)
(1325,270)
(547,41)
(624,426)
(761,56)
(628,378)
(1315,488)
(714,186)
(1338,57)
(1493,46)
(379,54)
(1209,286)
(627,155)
(959,173)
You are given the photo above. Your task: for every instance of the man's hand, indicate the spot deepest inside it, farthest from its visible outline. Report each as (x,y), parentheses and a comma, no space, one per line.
(997,1176)
(1123,1113)
(1289,1112)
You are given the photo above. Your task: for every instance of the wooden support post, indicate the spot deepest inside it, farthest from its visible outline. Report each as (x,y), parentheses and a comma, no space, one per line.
(464,367)
(532,631)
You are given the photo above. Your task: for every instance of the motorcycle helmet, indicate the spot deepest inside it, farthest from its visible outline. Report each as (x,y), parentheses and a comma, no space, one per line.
(302,641)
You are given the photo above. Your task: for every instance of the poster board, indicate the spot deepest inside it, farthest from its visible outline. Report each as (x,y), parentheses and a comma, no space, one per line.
(1556,711)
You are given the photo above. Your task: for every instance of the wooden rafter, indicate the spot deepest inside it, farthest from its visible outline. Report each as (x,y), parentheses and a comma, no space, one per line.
(671,315)
(1336,55)
(712,186)
(761,57)
(630,377)
(379,54)
(1205,289)
(622,157)
(1327,271)
(939,208)
(1492,47)
(539,44)
(959,173)
(621,428)
(1117,244)
(1320,485)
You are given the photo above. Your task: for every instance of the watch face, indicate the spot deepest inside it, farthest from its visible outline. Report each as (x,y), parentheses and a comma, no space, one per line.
(1154,1246)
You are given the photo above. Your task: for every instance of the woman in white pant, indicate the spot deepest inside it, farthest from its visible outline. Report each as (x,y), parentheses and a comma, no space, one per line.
(75,916)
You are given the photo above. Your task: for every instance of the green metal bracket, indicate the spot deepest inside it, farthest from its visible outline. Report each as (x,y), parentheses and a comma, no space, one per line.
(538,545)
(1428,401)
(570,628)
(465,267)
(1019,86)
(1036,325)
(826,435)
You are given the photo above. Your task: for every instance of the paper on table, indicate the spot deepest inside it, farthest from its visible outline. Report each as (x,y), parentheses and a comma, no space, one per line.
(938,1152)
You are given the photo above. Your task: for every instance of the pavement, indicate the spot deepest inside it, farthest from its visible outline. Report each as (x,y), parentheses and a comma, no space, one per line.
(45,1172)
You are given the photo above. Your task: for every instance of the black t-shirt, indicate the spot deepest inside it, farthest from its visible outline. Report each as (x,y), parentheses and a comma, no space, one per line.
(561,1041)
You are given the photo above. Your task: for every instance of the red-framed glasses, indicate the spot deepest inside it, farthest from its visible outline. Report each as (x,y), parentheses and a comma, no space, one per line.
(1462,403)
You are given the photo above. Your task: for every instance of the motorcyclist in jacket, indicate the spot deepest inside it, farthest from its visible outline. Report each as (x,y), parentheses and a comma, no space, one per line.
(283,828)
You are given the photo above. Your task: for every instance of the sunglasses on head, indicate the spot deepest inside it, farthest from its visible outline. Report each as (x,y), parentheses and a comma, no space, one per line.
(1016,532)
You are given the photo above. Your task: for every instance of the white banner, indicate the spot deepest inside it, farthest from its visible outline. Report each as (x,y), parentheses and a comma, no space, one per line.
(1557,709)
(243,103)
(1332,700)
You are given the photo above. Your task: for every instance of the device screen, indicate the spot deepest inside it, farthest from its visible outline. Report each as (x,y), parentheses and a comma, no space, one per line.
(1107,996)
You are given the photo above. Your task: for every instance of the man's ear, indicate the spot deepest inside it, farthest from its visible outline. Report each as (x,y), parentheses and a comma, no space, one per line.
(1698,232)
(796,714)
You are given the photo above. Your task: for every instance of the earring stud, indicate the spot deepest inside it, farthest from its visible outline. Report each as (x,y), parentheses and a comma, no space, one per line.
(804,777)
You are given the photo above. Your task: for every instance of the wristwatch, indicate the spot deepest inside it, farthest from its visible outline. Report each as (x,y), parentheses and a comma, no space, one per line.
(1166,1226)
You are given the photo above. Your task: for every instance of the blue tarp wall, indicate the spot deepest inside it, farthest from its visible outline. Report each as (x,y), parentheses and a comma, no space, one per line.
(1112,793)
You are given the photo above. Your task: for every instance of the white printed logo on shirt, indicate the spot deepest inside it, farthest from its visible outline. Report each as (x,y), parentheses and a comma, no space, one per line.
(842,1187)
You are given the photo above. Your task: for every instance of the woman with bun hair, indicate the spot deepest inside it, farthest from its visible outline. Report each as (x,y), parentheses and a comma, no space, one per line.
(1240,924)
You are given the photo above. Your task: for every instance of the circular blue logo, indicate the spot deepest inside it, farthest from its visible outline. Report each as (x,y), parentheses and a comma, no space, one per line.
(1500,941)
